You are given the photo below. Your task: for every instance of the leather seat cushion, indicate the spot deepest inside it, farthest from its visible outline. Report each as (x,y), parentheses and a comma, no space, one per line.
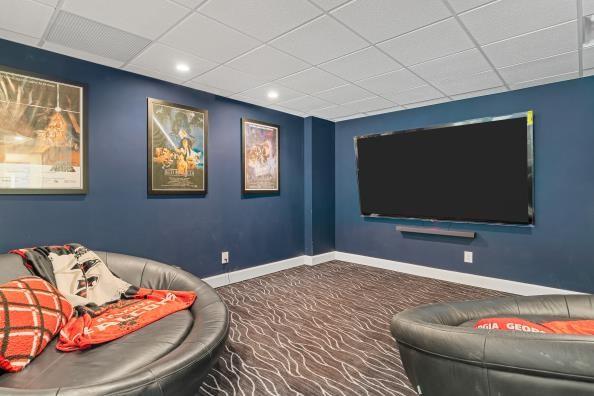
(104,363)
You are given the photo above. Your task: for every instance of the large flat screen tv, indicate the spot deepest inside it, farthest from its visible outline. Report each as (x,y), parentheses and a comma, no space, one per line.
(473,171)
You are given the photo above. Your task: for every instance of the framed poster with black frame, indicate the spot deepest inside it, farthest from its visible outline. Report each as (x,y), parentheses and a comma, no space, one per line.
(260,157)
(43,134)
(177,149)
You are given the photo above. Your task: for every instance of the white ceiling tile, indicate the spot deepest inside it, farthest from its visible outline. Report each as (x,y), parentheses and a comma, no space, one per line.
(267,62)
(507,18)
(434,41)
(229,79)
(588,57)
(164,59)
(146,18)
(320,40)
(52,3)
(19,38)
(475,82)
(460,64)
(81,55)
(333,112)
(426,103)
(24,17)
(482,92)
(344,94)
(555,65)
(464,5)
(588,7)
(369,104)
(247,99)
(190,3)
(208,39)
(379,20)
(311,81)
(288,111)
(362,64)
(351,117)
(152,73)
(385,111)
(263,19)
(399,80)
(547,80)
(306,104)
(329,4)
(208,88)
(537,45)
(419,94)
(261,93)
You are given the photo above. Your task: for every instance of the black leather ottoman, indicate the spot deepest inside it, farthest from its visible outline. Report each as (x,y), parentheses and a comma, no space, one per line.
(443,357)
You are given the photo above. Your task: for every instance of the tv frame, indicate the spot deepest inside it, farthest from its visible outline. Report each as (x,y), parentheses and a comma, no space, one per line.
(529,115)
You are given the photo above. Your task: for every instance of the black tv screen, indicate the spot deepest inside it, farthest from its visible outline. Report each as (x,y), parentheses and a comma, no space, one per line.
(473,171)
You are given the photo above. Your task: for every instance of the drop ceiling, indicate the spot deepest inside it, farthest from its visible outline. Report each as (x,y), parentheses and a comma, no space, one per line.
(334,59)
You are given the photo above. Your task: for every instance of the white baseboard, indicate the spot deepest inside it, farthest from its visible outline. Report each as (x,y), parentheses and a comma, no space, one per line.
(319,259)
(524,289)
(508,286)
(265,269)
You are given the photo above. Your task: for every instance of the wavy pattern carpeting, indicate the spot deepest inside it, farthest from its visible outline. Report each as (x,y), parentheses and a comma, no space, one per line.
(321,330)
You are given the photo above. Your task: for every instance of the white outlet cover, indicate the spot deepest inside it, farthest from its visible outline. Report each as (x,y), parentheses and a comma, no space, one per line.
(468,257)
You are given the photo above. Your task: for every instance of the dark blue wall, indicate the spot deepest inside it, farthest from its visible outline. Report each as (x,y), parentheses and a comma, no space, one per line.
(319,186)
(118,216)
(558,251)
(308,188)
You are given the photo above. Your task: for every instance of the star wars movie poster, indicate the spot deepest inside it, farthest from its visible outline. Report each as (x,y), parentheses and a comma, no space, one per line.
(177,148)
(260,157)
(42,136)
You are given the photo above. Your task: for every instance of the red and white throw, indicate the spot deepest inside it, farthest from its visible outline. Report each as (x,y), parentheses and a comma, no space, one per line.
(108,307)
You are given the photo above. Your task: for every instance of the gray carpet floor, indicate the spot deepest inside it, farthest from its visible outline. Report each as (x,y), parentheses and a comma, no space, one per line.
(322,330)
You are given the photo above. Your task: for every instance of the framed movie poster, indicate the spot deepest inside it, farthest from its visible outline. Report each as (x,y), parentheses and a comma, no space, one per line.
(177,141)
(43,135)
(260,157)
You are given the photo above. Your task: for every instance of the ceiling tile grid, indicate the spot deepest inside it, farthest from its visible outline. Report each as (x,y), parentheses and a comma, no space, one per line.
(344,94)
(262,19)
(434,41)
(33,21)
(312,80)
(319,41)
(362,64)
(336,59)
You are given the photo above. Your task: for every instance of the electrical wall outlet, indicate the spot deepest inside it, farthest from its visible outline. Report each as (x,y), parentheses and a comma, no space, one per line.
(224,257)
(468,257)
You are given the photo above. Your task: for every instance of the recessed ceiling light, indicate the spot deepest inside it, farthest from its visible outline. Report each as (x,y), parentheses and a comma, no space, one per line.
(182,67)
(272,95)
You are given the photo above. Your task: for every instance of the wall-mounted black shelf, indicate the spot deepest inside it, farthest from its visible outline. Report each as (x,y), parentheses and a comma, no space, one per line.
(436,231)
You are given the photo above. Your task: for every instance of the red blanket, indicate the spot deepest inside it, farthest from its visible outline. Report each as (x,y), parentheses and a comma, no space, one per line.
(122,317)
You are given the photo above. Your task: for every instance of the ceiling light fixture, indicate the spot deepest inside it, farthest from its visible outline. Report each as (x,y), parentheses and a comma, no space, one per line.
(272,95)
(182,67)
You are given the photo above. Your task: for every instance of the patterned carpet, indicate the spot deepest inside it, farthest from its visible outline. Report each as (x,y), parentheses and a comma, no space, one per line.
(321,330)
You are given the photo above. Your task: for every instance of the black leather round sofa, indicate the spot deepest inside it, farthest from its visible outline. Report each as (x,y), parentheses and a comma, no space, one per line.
(171,356)
(444,356)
